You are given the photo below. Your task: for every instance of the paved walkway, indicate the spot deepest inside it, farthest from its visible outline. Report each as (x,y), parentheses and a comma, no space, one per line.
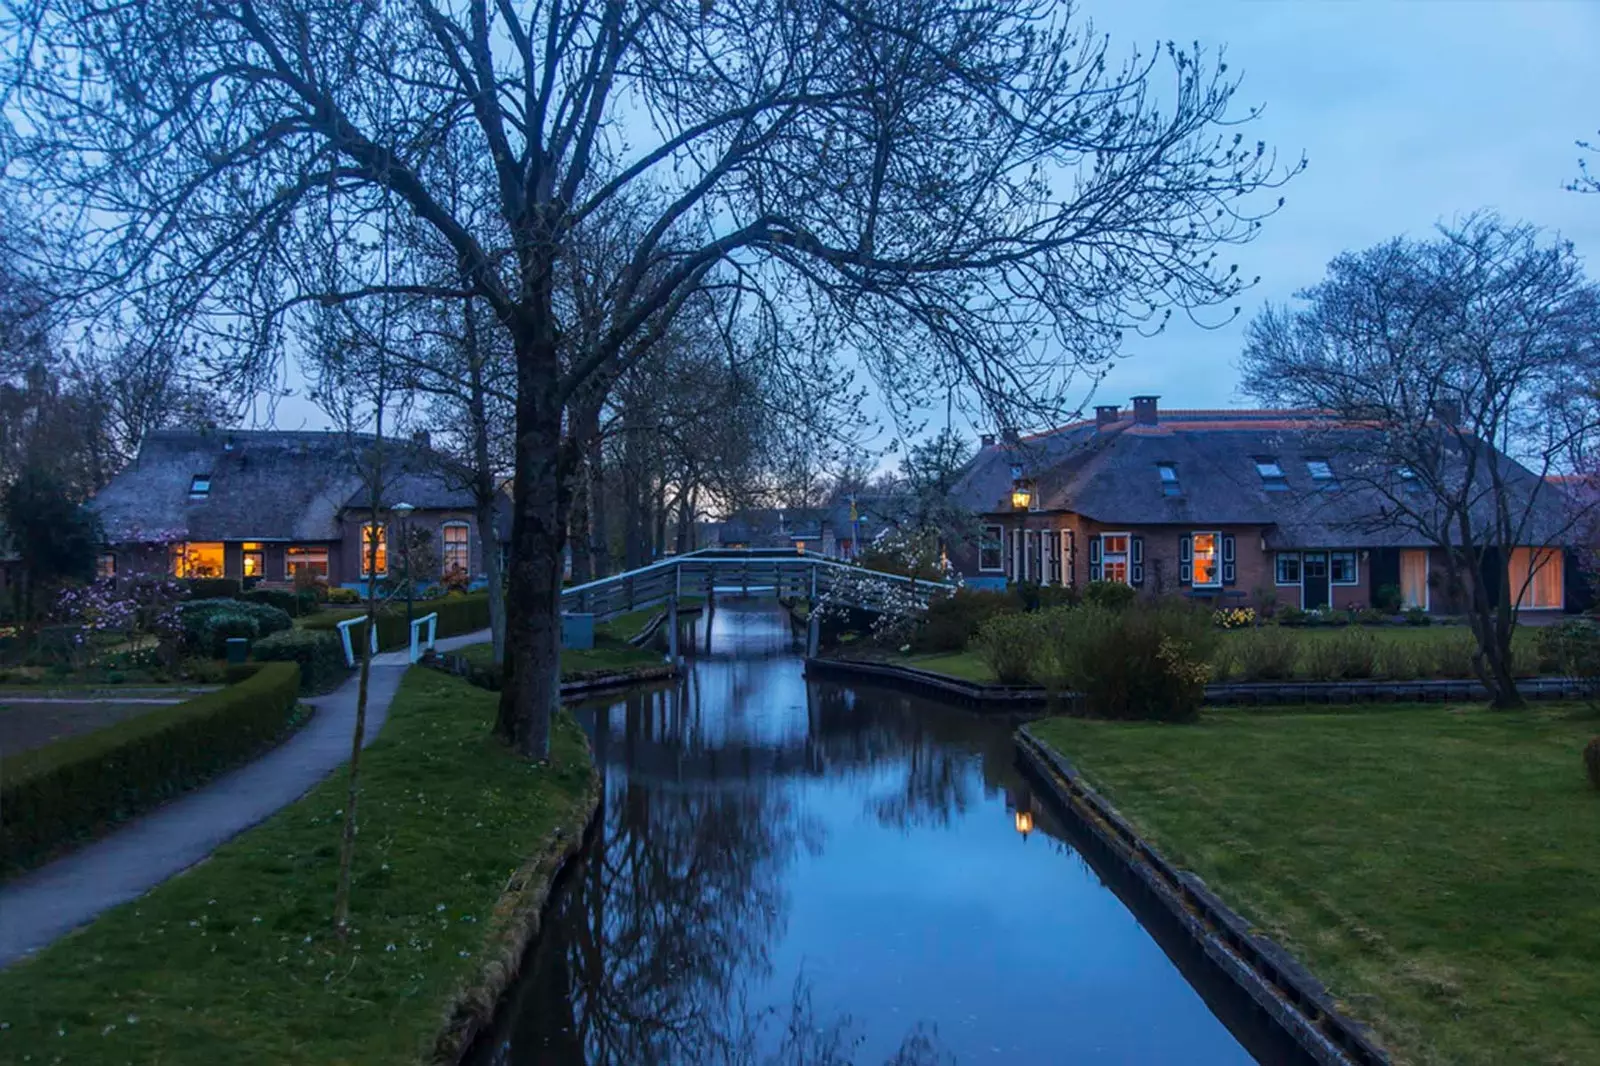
(47,903)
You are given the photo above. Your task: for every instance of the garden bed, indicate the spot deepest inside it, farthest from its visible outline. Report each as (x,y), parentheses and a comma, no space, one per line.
(235,961)
(1433,865)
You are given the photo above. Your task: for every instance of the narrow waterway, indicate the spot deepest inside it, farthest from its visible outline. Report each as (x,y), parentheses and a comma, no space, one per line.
(788,872)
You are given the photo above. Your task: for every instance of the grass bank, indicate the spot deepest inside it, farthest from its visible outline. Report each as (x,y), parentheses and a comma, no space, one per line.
(234,961)
(1436,867)
(606,655)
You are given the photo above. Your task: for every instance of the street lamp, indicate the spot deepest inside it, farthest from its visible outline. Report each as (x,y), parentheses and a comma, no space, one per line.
(403,510)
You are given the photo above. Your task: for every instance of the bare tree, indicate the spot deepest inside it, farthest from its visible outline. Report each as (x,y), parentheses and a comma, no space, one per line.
(973,194)
(1461,371)
(1587,180)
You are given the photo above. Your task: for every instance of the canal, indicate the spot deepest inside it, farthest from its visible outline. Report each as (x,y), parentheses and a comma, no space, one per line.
(790,872)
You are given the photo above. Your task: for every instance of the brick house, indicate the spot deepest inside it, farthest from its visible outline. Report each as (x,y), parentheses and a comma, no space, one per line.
(829,530)
(1238,507)
(265,505)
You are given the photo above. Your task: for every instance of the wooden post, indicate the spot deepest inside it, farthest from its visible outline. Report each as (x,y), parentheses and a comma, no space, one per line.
(813,635)
(672,629)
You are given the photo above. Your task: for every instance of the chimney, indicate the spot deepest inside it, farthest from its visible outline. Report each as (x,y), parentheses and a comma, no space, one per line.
(1009,435)
(986,441)
(1105,414)
(421,439)
(1144,410)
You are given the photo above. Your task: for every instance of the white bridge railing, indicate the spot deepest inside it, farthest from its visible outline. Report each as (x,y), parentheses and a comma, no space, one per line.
(786,574)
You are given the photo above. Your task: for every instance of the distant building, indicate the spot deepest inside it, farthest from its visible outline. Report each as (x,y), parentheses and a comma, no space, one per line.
(267,505)
(828,530)
(1225,505)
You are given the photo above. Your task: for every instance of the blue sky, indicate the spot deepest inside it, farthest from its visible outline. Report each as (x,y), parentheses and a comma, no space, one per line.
(1409,113)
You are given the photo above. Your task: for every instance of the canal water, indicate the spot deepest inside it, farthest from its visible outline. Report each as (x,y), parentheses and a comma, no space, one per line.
(788,872)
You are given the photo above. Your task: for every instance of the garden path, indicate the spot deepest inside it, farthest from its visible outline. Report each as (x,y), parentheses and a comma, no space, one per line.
(42,905)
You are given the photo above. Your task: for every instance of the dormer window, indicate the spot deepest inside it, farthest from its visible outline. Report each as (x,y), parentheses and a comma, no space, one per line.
(1272,478)
(199,486)
(1169,479)
(1321,473)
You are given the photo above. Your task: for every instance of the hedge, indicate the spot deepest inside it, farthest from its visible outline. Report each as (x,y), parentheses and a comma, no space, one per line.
(319,653)
(208,624)
(70,789)
(457,615)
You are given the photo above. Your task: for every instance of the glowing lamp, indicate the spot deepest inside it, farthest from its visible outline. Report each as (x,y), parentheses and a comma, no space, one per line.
(1024,822)
(1021,496)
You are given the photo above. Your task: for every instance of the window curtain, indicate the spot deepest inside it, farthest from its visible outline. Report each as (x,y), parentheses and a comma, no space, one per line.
(1536,577)
(1414,578)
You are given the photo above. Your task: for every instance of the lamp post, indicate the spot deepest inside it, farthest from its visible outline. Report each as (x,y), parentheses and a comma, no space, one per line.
(403,510)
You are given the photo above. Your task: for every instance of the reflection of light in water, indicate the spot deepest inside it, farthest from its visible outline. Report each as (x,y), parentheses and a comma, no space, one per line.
(1024,823)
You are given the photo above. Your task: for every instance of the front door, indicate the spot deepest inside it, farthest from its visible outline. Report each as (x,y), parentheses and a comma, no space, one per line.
(1314,580)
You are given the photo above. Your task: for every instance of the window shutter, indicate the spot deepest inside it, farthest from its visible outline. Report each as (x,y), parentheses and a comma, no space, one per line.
(1094,558)
(1185,560)
(1070,563)
(1230,572)
(1136,563)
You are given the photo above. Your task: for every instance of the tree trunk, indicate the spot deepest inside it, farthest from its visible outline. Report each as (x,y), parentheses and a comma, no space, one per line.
(531,691)
(686,513)
(586,536)
(599,530)
(484,493)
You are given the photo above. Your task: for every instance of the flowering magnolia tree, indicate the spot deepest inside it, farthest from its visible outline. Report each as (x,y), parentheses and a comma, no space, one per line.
(892,582)
(140,606)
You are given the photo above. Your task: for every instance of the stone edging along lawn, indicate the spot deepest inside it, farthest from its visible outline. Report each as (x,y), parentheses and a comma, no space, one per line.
(1293,1000)
(990,697)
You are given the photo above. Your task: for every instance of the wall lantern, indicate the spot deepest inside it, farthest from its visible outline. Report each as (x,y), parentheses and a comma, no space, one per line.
(1024,823)
(1021,495)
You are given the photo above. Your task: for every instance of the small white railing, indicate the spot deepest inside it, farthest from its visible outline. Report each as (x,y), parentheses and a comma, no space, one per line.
(349,647)
(432,622)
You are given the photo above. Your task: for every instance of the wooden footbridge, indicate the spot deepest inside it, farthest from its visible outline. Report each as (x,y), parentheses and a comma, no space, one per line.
(751,572)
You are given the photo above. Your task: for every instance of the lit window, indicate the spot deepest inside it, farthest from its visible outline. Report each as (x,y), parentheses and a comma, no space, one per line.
(457,550)
(1536,578)
(105,567)
(199,486)
(1321,473)
(1271,473)
(1114,557)
(989,549)
(1288,568)
(308,558)
(1207,572)
(197,560)
(1342,569)
(374,536)
(1169,479)
(255,560)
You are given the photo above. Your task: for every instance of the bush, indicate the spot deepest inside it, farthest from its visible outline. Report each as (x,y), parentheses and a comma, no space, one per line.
(285,600)
(207,624)
(1591,761)
(1451,656)
(952,622)
(1112,595)
(1032,596)
(1371,616)
(319,653)
(1233,617)
(1416,616)
(1267,653)
(343,596)
(1294,616)
(1387,599)
(457,615)
(66,790)
(1398,660)
(1348,656)
(1010,644)
(213,588)
(1150,660)
(1572,649)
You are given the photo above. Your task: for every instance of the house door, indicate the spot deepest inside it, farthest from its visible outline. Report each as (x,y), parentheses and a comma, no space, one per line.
(1414,578)
(1314,580)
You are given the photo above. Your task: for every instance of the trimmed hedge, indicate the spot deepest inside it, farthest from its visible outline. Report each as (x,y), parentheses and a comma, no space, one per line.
(213,588)
(319,653)
(207,624)
(457,615)
(70,789)
(293,603)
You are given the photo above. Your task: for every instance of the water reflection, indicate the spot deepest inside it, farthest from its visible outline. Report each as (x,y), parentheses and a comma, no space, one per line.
(786,873)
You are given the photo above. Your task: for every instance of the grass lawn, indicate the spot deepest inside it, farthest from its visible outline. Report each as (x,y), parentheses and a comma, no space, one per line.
(624,627)
(967,665)
(235,962)
(1437,867)
(605,655)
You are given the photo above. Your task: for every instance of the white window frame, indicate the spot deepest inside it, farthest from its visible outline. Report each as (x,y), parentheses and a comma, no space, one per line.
(1355,569)
(1000,548)
(1216,558)
(1127,557)
(1299,570)
(444,545)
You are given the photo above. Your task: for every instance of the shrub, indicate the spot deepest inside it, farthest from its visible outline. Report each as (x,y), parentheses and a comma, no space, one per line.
(1591,761)
(1416,616)
(1267,653)
(1112,595)
(1372,616)
(1347,656)
(1572,648)
(285,600)
(1233,617)
(1398,660)
(343,596)
(952,622)
(66,790)
(1294,616)
(1032,596)
(1387,599)
(213,588)
(1451,655)
(207,624)
(319,653)
(1009,643)
(1150,660)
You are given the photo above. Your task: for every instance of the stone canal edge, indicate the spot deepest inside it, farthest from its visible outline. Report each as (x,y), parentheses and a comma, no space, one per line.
(1293,1000)
(517,918)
